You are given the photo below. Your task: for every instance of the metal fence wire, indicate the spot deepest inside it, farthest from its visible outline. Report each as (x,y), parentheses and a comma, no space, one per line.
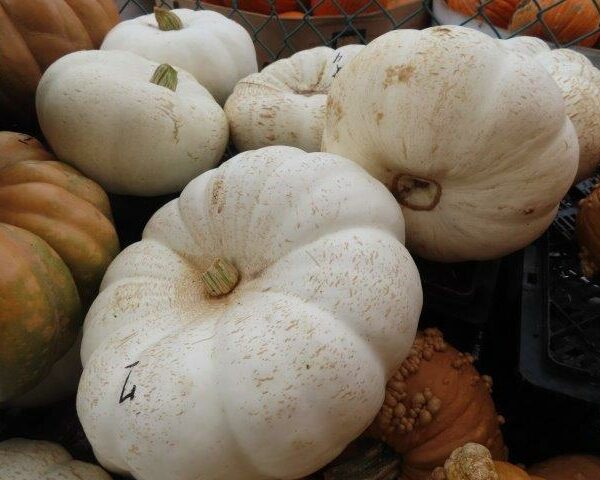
(279,28)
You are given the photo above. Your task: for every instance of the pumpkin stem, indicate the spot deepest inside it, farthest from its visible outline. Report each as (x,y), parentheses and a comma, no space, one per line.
(167,20)
(165,76)
(221,278)
(416,193)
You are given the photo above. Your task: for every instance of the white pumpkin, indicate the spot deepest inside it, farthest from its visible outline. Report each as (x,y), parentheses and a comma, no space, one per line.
(471,137)
(579,82)
(284,104)
(216,50)
(22,459)
(314,301)
(100,112)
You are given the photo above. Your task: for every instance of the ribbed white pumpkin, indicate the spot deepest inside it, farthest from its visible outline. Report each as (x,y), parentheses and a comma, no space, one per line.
(216,50)
(22,459)
(284,104)
(471,137)
(101,113)
(274,379)
(579,82)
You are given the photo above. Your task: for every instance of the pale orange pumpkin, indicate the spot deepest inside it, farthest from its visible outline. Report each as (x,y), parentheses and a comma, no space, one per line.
(435,403)
(499,12)
(568,467)
(568,20)
(36,33)
(56,241)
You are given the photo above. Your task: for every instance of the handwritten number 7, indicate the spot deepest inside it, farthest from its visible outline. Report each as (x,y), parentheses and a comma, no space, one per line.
(131,393)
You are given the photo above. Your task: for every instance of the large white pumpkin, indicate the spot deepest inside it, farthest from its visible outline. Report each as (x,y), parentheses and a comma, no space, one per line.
(284,104)
(216,50)
(470,136)
(22,459)
(579,82)
(100,112)
(273,379)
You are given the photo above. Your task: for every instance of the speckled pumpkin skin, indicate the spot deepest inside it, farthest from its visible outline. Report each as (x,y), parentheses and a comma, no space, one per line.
(437,402)
(56,241)
(40,311)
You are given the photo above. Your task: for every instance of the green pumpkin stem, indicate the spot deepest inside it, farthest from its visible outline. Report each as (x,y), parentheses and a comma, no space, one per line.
(165,76)
(221,278)
(167,20)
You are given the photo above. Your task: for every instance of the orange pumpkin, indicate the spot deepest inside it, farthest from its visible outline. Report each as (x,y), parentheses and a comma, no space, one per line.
(56,241)
(568,20)
(36,33)
(435,403)
(588,233)
(348,7)
(568,467)
(499,12)
(265,7)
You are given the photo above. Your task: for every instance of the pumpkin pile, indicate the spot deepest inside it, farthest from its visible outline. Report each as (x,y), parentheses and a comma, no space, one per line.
(265,323)
(563,21)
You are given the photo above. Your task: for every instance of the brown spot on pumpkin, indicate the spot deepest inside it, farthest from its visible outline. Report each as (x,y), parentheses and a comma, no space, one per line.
(335,107)
(528,211)
(217,198)
(398,74)
(378,117)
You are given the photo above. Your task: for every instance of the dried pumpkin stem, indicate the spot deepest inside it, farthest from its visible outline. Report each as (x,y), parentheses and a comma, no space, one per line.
(165,76)
(416,193)
(167,20)
(221,278)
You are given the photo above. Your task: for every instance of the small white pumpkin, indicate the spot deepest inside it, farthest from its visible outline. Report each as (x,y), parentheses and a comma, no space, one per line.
(22,459)
(135,127)
(471,137)
(216,50)
(251,332)
(579,82)
(284,104)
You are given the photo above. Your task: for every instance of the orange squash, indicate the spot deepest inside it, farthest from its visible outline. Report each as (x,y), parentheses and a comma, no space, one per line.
(499,12)
(36,33)
(568,20)
(56,241)
(568,467)
(435,403)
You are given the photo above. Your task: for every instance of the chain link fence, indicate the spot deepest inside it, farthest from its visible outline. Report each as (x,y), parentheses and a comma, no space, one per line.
(279,28)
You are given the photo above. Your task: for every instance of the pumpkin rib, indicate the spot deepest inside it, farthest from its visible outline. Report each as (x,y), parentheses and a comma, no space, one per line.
(89,16)
(60,175)
(73,229)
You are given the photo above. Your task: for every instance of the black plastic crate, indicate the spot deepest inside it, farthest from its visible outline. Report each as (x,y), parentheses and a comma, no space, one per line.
(560,310)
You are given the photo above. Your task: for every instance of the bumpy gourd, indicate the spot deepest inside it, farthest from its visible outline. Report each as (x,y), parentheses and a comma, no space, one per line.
(252,330)
(34,34)
(436,402)
(284,104)
(132,125)
(56,241)
(22,459)
(471,137)
(216,50)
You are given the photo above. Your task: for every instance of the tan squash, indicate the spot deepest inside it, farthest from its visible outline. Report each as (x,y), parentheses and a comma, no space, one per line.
(435,403)
(34,34)
(56,241)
